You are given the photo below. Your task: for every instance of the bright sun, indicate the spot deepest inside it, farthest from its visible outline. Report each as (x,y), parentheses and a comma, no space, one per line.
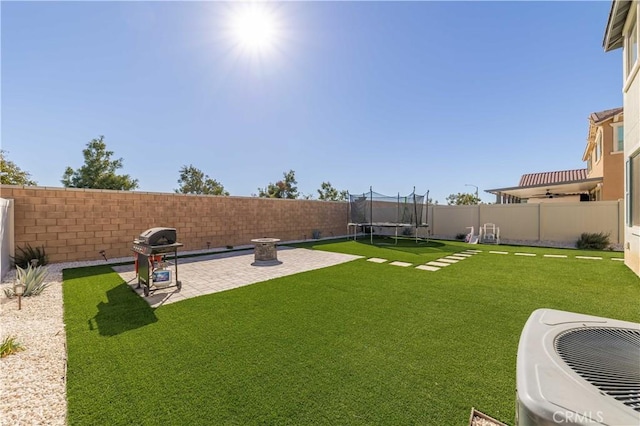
(255,28)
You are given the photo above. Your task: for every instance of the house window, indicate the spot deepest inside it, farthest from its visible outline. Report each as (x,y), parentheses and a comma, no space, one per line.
(589,164)
(598,150)
(618,139)
(632,48)
(633,190)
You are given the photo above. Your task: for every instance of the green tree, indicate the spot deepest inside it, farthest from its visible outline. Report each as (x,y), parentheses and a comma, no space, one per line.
(194,181)
(460,199)
(328,193)
(11,174)
(99,171)
(281,189)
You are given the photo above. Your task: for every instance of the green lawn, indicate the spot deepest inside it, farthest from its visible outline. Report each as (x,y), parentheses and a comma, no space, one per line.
(357,343)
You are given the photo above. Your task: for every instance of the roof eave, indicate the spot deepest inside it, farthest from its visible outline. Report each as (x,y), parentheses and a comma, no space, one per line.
(544,185)
(613,38)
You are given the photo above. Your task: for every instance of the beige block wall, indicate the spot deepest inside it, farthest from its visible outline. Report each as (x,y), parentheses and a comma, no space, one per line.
(75,224)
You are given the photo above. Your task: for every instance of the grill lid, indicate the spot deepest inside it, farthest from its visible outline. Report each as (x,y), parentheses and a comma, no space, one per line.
(608,358)
(158,236)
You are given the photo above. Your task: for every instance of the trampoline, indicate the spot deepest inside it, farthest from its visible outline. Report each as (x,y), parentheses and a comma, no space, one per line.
(379,214)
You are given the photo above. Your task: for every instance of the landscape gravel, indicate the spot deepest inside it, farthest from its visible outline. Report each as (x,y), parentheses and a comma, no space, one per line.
(33,381)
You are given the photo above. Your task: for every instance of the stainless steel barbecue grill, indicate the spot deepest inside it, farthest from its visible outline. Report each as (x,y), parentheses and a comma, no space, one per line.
(152,250)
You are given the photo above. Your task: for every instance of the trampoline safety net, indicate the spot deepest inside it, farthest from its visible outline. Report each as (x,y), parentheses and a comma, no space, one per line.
(371,208)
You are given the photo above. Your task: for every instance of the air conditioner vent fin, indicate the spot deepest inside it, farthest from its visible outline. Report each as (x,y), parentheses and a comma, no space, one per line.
(608,358)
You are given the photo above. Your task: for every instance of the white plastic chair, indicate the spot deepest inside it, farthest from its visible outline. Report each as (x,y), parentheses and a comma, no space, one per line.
(490,233)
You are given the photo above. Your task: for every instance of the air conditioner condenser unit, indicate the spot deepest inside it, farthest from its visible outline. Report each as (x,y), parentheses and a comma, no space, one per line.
(575,369)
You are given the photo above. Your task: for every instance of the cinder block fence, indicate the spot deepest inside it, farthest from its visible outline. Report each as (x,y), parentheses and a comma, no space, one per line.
(76,224)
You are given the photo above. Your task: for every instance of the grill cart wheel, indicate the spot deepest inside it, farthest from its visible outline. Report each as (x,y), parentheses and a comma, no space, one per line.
(179,285)
(145,289)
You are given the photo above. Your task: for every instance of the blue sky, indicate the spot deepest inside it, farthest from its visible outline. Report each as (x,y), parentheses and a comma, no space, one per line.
(392,95)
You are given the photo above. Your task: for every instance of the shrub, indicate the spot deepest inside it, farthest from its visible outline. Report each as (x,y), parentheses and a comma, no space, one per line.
(33,280)
(24,256)
(593,241)
(10,346)
(461,236)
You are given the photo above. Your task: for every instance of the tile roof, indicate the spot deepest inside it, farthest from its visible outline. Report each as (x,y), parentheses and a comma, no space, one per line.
(600,116)
(549,178)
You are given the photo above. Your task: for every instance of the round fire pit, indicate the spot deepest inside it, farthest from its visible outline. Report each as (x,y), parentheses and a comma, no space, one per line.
(265,252)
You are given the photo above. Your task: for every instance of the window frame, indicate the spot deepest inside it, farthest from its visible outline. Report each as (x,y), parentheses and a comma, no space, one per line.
(631,47)
(631,44)
(632,191)
(597,150)
(618,145)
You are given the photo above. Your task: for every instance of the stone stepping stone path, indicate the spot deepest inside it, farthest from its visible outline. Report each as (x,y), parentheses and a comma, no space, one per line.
(558,256)
(403,264)
(432,266)
(427,268)
(438,264)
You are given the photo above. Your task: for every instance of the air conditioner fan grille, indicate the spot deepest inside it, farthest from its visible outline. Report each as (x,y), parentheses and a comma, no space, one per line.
(608,358)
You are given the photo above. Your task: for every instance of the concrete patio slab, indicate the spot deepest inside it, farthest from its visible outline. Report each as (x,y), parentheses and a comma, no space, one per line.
(376,260)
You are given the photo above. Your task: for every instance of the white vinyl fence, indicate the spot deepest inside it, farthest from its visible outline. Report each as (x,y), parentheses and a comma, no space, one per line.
(542,222)
(6,235)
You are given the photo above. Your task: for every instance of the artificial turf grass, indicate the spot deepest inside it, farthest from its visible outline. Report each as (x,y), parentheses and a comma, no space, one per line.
(357,343)
(407,250)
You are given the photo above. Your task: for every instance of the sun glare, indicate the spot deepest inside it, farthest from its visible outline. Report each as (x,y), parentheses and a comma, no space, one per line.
(254,27)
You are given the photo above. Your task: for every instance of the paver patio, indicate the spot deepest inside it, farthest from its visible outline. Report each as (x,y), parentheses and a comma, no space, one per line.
(224,271)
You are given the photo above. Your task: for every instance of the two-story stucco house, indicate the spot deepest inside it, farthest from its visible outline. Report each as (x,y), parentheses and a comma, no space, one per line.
(622,31)
(604,154)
